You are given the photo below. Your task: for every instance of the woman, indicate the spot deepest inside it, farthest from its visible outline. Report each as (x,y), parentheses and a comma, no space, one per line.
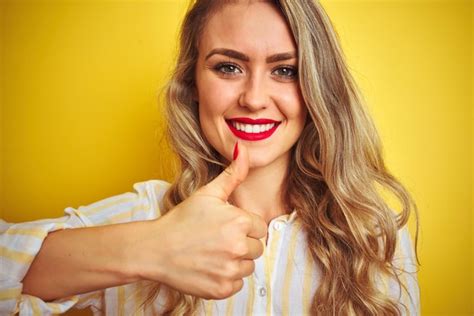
(294,225)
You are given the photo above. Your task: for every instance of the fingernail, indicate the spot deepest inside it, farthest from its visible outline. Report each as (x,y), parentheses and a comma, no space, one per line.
(236,150)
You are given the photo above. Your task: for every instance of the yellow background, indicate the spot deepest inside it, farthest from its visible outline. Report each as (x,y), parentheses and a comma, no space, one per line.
(80,119)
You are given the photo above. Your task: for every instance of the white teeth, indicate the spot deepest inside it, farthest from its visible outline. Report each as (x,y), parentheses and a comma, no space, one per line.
(252,128)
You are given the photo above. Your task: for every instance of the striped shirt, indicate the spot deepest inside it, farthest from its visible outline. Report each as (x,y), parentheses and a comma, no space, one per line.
(283,283)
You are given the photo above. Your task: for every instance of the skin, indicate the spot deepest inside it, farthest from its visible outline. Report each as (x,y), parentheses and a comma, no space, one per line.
(203,246)
(229,87)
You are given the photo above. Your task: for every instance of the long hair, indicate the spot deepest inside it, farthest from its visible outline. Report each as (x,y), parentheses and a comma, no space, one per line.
(336,170)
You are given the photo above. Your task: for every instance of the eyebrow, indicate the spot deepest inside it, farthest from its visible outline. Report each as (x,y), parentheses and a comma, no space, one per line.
(241,56)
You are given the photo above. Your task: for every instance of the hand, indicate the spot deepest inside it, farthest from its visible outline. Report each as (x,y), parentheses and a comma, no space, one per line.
(204,246)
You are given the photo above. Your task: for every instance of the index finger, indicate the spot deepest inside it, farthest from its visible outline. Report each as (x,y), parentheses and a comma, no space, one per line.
(258,228)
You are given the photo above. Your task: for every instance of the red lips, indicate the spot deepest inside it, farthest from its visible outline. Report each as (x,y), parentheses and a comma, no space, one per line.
(252,136)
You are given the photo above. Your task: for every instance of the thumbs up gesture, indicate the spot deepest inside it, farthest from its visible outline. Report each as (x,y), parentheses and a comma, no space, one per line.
(205,246)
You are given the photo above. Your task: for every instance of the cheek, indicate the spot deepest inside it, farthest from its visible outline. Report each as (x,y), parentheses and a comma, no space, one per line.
(294,106)
(215,98)
(214,102)
(211,112)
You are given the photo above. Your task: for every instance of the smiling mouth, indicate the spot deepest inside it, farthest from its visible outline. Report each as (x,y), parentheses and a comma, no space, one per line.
(252,132)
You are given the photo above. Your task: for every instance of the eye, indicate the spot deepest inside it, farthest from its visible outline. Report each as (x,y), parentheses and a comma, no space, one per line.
(287,72)
(227,68)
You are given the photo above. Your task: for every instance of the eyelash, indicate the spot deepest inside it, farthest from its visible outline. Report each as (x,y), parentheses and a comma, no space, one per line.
(291,69)
(219,67)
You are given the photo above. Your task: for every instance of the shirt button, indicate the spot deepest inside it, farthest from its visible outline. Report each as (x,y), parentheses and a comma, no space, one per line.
(262,291)
(278,225)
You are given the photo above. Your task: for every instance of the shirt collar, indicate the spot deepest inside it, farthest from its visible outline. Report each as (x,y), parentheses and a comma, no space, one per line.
(289,218)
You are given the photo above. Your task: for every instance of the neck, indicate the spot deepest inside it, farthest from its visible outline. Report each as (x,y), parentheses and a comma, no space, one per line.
(262,190)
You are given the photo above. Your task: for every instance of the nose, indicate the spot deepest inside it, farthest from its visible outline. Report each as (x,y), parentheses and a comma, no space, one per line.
(254,95)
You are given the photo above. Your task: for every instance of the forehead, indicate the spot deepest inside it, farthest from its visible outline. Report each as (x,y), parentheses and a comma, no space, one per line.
(255,27)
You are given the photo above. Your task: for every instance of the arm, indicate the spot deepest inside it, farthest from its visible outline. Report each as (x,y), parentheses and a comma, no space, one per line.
(173,250)
(203,247)
(81,260)
(22,243)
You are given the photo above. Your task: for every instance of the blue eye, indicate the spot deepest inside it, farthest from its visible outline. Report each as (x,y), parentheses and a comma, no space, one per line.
(227,68)
(288,72)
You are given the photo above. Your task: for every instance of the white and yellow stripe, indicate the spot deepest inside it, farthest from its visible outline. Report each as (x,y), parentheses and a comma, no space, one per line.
(286,271)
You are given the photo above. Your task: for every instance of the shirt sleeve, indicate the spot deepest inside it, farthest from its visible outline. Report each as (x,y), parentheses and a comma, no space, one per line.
(406,267)
(20,243)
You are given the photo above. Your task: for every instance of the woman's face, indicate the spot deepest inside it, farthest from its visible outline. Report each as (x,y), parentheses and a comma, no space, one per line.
(247,83)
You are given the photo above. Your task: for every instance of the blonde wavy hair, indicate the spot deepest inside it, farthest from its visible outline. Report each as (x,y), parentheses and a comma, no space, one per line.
(336,170)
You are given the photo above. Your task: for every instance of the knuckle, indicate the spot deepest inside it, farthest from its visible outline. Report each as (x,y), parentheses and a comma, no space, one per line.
(264,226)
(231,270)
(240,285)
(224,289)
(235,176)
(209,295)
(249,267)
(229,170)
(239,249)
(244,221)
(260,249)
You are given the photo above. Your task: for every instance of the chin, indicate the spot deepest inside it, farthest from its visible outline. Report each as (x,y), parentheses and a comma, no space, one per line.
(259,161)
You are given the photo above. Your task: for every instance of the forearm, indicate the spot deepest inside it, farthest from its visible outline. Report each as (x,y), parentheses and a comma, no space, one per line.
(74,261)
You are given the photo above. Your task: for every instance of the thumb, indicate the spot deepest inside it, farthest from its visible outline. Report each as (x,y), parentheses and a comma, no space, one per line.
(226,182)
